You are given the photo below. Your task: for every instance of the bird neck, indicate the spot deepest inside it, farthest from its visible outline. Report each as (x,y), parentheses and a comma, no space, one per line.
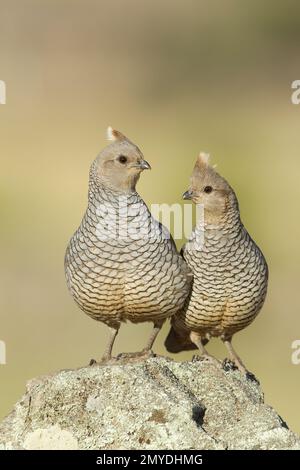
(113,215)
(105,194)
(227,217)
(228,220)
(215,226)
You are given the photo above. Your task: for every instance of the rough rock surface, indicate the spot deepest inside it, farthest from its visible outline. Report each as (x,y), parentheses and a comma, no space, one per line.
(145,404)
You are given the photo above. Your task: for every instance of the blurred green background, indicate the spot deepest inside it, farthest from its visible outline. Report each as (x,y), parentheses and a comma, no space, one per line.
(176,77)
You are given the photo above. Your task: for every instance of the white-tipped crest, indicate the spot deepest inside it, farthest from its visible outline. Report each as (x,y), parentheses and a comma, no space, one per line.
(204,158)
(110,134)
(113,134)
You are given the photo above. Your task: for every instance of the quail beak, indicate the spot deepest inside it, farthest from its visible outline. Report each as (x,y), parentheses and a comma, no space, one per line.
(188,194)
(143,165)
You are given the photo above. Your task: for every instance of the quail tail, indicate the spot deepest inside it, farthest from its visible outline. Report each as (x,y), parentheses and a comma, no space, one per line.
(177,342)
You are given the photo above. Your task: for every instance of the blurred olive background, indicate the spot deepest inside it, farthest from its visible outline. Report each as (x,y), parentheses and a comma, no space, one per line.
(177,77)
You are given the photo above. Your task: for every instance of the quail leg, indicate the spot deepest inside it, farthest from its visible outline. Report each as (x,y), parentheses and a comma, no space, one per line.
(156,329)
(200,342)
(113,331)
(146,351)
(233,355)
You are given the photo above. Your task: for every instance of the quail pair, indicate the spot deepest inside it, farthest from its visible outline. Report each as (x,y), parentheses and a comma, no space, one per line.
(121,264)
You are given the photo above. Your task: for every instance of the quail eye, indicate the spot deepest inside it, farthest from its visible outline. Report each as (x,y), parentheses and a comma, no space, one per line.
(208,189)
(122,159)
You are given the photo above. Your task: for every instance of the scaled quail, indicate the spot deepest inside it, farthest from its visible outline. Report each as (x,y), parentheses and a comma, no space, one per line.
(121,264)
(230,274)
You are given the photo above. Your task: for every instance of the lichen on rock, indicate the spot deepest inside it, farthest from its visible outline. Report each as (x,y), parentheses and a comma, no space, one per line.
(153,403)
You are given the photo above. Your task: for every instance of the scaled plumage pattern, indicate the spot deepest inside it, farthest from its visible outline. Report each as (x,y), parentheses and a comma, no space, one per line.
(121,264)
(229,270)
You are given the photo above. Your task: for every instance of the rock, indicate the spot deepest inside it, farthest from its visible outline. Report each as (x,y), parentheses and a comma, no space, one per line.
(152,403)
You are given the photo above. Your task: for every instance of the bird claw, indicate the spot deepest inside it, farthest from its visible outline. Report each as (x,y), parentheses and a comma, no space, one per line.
(206,357)
(93,362)
(147,353)
(251,376)
(144,353)
(235,364)
(103,360)
(229,364)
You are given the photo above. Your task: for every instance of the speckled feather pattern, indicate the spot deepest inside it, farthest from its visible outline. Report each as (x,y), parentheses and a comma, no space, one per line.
(123,274)
(230,278)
